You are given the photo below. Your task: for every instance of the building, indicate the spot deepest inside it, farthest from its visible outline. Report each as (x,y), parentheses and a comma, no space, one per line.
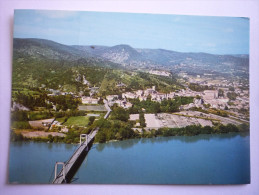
(111,97)
(129,95)
(210,94)
(89,100)
(161,73)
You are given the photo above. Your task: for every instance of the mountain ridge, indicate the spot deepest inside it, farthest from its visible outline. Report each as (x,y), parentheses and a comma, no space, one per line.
(125,55)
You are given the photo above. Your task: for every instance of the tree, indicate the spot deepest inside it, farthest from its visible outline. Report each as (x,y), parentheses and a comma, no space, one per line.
(49,106)
(86,92)
(19,116)
(120,114)
(50,137)
(142,120)
(100,137)
(220,93)
(231,95)
(91,120)
(100,101)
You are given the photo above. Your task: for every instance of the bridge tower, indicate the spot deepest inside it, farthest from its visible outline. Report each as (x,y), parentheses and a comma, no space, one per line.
(83,136)
(63,168)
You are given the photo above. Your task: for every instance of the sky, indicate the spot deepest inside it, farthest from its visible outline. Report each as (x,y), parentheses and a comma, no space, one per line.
(209,34)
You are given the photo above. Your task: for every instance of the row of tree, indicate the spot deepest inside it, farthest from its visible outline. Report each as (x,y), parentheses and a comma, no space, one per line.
(113,130)
(31,101)
(196,130)
(62,102)
(117,130)
(149,106)
(197,87)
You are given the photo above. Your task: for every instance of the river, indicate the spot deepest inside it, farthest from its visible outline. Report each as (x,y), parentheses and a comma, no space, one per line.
(202,159)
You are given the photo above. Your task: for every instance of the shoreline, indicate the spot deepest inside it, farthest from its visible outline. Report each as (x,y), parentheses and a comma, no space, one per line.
(150,135)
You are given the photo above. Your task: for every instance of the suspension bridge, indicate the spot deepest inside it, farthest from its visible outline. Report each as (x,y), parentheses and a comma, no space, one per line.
(70,167)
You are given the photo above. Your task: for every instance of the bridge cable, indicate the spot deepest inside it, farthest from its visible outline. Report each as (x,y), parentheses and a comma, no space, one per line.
(51,174)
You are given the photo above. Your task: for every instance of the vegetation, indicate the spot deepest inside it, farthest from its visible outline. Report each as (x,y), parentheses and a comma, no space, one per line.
(196,130)
(19,116)
(39,115)
(197,87)
(232,95)
(171,105)
(69,76)
(91,120)
(20,125)
(77,120)
(69,113)
(142,120)
(119,130)
(16,136)
(119,113)
(114,130)
(220,93)
(34,78)
(64,102)
(31,101)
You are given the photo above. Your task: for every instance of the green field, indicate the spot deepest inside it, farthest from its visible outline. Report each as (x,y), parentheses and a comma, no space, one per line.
(61,120)
(77,120)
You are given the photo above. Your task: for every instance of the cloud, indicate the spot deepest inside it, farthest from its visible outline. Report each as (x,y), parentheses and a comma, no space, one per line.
(56,14)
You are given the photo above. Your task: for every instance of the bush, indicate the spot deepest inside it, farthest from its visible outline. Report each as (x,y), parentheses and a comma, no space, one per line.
(91,120)
(142,120)
(19,116)
(21,125)
(16,136)
(120,114)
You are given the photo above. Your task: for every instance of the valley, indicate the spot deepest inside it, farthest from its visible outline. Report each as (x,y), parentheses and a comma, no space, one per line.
(64,83)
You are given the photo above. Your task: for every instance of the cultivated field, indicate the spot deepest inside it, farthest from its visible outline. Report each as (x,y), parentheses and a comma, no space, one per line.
(77,120)
(34,134)
(41,124)
(100,108)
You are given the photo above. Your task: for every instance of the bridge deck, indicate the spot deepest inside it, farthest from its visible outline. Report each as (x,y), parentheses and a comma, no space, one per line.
(73,159)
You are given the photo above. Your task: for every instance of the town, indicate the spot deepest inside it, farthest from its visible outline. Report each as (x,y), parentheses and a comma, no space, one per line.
(211,101)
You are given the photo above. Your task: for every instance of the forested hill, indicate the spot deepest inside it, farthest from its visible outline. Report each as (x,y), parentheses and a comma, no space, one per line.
(128,56)
(79,75)
(39,62)
(46,48)
(42,49)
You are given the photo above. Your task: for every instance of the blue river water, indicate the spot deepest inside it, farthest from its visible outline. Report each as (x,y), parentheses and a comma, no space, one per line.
(202,159)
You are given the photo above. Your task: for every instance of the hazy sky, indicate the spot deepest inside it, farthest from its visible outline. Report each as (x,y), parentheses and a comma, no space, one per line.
(217,35)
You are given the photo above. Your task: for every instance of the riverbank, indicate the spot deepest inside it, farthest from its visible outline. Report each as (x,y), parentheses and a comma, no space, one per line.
(192,130)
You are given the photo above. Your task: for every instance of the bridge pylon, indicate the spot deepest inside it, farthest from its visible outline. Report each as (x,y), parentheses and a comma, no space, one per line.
(63,168)
(83,136)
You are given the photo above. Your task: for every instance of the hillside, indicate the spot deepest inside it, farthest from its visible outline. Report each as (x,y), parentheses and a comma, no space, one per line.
(130,57)
(171,60)
(77,76)
(39,62)
(48,49)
